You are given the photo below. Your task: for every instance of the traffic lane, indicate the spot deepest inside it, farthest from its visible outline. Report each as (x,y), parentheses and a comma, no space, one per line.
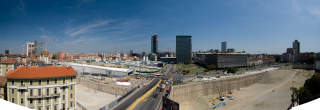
(125,104)
(151,102)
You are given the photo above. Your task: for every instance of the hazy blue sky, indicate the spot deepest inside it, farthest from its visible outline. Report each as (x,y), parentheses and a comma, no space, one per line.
(256,26)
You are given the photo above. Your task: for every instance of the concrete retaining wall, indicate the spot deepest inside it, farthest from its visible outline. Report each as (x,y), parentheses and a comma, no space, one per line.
(107,88)
(188,91)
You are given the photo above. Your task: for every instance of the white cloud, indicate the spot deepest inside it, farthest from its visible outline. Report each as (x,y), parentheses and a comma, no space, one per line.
(86,28)
(315,11)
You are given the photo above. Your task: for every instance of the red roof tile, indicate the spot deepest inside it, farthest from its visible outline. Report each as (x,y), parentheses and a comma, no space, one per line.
(11,61)
(40,72)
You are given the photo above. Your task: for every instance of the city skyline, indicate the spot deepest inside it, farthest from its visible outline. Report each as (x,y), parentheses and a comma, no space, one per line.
(103,26)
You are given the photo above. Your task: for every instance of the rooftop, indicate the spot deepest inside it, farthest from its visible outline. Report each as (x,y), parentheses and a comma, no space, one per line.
(8,61)
(40,72)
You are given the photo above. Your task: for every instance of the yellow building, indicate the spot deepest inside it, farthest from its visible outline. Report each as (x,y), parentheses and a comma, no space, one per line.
(42,88)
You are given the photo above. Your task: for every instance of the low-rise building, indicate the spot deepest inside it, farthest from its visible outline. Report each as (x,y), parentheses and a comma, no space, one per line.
(318,65)
(3,87)
(223,60)
(7,65)
(50,87)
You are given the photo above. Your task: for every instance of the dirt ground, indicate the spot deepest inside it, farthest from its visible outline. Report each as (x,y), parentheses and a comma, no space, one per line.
(92,99)
(271,93)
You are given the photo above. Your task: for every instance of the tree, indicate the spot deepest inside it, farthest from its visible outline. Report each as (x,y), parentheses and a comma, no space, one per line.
(54,56)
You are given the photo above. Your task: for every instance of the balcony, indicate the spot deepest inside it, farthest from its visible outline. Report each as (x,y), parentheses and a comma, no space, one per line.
(44,96)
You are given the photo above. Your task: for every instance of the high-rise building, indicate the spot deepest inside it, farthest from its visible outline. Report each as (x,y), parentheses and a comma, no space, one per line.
(32,50)
(7,52)
(296,51)
(224,46)
(42,88)
(154,44)
(296,46)
(184,49)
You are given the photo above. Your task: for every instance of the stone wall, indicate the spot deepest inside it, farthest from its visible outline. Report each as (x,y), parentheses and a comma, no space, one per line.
(188,91)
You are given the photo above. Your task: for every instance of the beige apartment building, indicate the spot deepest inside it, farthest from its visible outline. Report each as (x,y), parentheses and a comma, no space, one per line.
(6,66)
(42,88)
(3,88)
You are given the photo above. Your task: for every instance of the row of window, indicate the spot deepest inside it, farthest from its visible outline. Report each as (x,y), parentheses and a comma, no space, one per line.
(39,91)
(39,82)
(39,100)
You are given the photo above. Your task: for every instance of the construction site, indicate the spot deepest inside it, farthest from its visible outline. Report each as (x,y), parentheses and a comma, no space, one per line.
(258,91)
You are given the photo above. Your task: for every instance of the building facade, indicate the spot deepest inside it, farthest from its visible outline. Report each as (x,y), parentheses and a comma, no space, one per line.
(6,66)
(296,51)
(154,44)
(42,88)
(223,60)
(3,88)
(224,46)
(184,49)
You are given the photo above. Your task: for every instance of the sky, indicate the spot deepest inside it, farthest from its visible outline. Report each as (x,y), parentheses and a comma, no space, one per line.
(90,26)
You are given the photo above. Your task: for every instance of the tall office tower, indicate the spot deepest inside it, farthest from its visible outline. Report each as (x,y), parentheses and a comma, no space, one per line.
(154,44)
(296,50)
(184,49)
(224,46)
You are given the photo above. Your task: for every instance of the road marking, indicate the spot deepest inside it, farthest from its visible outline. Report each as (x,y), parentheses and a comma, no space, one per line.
(132,106)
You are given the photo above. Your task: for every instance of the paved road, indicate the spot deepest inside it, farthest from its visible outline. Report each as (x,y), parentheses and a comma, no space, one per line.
(128,101)
(150,103)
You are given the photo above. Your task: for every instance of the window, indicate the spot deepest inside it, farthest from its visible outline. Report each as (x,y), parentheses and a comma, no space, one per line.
(22,100)
(48,91)
(71,103)
(31,92)
(55,81)
(12,91)
(71,79)
(47,81)
(71,87)
(63,106)
(39,82)
(21,82)
(39,101)
(55,107)
(64,89)
(47,100)
(31,101)
(12,82)
(39,92)
(30,82)
(63,97)
(64,80)
(55,99)
(12,100)
(55,90)
(47,108)
(70,95)
(39,108)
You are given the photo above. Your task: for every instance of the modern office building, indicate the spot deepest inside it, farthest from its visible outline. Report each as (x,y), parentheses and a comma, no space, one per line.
(154,44)
(184,49)
(296,51)
(7,52)
(224,46)
(223,60)
(42,88)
